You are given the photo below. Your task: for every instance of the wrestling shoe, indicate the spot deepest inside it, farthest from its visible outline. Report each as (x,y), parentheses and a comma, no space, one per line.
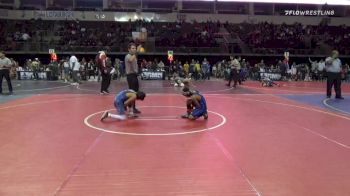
(104,116)
(136,111)
(185,116)
(205,116)
(132,115)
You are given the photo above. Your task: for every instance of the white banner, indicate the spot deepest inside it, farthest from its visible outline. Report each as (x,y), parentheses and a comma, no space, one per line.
(54,14)
(25,75)
(272,76)
(150,75)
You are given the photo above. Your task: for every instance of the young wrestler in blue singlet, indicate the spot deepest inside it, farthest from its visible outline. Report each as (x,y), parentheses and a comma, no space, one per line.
(197,101)
(123,101)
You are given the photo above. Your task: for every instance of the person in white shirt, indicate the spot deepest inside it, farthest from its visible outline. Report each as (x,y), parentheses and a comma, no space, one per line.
(161,65)
(25,37)
(74,66)
(19,68)
(72,61)
(105,65)
(234,72)
(334,68)
(293,71)
(66,70)
(321,69)
(5,66)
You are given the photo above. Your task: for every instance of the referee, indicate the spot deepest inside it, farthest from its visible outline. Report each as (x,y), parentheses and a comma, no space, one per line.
(5,66)
(131,69)
(333,69)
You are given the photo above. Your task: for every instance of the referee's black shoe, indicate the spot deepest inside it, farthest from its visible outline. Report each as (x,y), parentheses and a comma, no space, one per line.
(136,111)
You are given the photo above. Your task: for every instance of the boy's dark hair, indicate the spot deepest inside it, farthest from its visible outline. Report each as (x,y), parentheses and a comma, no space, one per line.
(185,89)
(131,44)
(140,95)
(186,92)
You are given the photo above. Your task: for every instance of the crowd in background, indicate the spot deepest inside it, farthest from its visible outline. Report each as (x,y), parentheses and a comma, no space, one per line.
(263,37)
(87,69)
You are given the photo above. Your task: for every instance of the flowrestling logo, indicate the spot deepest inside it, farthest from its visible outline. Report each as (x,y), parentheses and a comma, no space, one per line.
(309,12)
(148,75)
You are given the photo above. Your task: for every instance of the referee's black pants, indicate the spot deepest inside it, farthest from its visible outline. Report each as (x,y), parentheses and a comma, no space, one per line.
(235,77)
(334,79)
(133,81)
(5,73)
(106,81)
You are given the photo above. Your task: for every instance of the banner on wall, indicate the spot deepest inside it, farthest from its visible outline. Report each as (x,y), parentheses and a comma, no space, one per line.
(27,75)
(54,14)
(152,75)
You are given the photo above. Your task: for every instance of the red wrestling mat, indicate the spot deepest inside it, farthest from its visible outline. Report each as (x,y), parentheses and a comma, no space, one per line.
(156,120)
(250,145)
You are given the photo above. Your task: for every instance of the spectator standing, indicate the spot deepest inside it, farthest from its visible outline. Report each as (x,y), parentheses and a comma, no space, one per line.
(333,69)
(5,66)
(105,65)
(74,66)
